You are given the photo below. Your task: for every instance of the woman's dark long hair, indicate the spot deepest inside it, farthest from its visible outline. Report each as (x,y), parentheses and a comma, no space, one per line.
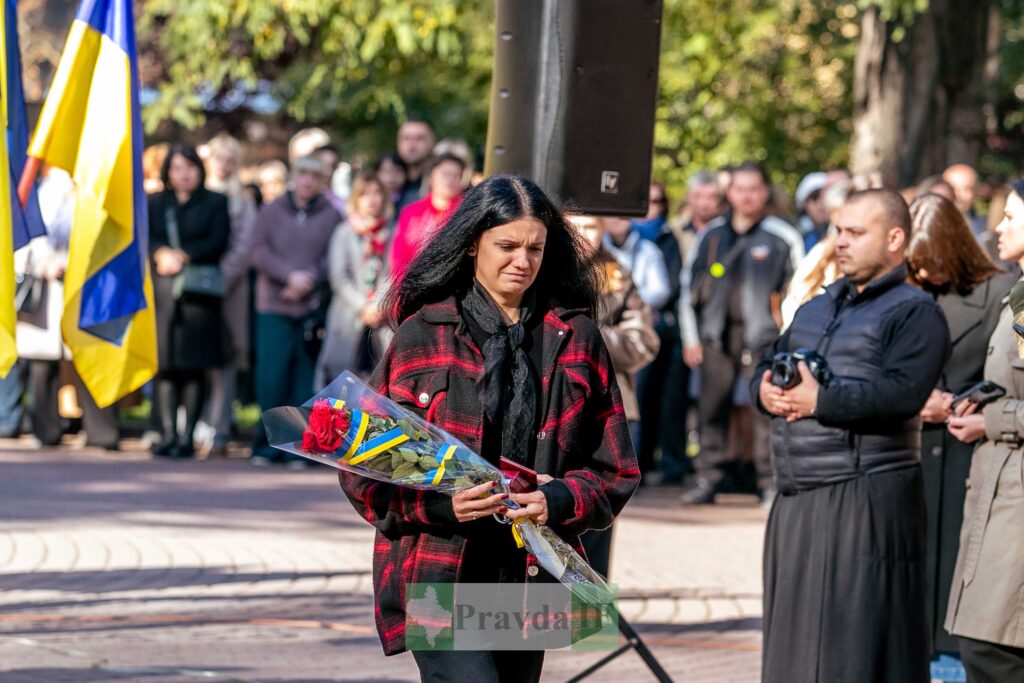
(444,268)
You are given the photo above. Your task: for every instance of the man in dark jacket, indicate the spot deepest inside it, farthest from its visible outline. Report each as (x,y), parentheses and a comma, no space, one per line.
(844,569)
(415,143)
(663,387)
(290,258)
(735,277)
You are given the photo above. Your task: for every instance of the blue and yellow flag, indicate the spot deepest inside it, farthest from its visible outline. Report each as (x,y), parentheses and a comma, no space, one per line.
(28,222)
(18,224)
(91,127)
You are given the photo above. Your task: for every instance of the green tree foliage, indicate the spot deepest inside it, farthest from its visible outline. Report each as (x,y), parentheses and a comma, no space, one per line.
(1005,133)
(766,80)
(357,66)
(763,79)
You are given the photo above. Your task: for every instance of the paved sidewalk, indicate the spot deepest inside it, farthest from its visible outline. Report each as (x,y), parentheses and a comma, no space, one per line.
(116,567)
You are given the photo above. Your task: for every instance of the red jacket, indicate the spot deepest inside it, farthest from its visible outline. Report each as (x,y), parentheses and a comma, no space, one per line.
(416,225)
(432,368)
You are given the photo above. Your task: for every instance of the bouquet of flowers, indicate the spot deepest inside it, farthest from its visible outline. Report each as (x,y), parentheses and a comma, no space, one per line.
(351,427)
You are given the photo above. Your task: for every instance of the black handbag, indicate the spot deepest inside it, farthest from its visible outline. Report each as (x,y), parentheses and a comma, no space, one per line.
(314,323)
(200,281)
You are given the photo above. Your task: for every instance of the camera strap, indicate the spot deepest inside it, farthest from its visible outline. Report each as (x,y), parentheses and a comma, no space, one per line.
(838,308)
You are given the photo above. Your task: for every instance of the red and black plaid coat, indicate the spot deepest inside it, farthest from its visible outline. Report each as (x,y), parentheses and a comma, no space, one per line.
(432,368)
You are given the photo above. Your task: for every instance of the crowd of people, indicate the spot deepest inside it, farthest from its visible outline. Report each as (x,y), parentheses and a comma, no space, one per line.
(269,281)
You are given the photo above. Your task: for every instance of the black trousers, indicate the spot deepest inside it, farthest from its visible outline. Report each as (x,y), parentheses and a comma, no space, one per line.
(100,424)
(664,397)
(990,662)
(473,666)
(491,556)
(715,406)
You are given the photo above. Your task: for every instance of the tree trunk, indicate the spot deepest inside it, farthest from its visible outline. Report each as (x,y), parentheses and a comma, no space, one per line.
(920,103)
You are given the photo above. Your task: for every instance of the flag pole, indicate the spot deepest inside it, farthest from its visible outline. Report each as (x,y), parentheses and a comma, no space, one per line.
(28,179)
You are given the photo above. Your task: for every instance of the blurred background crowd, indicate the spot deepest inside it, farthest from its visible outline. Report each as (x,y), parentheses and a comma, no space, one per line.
(300,248)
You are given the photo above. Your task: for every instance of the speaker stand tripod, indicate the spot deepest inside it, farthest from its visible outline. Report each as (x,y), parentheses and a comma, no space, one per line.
(633,642)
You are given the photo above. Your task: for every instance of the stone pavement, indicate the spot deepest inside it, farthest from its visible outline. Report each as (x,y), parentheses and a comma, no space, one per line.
(116,567)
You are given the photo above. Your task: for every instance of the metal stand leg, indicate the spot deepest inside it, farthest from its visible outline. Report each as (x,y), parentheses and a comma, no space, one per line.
(633,642)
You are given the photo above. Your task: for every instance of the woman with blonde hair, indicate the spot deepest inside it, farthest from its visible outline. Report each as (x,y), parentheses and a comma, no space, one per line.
(272,180)
(152,161)
(222,163)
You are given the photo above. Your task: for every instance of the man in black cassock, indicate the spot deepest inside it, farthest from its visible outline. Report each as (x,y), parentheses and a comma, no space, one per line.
(844,564)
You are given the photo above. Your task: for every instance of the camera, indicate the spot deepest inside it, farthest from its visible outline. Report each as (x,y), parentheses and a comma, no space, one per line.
(786,375)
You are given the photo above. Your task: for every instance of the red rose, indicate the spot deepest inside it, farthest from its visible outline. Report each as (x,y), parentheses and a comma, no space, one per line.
(326,430)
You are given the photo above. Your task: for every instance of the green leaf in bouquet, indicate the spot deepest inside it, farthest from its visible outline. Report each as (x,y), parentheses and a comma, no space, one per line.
(380,464)
(404,470)
(426,462)
(417,478)
(407,427)
(461,483)
(396,460)
(409,455)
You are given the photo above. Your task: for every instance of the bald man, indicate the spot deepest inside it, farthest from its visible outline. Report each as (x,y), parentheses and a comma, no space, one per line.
(844,563)
(964,181)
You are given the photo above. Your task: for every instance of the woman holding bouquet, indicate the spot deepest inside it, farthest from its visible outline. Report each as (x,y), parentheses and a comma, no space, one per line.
(496,344)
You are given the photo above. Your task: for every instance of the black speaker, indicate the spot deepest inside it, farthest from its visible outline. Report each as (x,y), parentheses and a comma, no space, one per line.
(573,94)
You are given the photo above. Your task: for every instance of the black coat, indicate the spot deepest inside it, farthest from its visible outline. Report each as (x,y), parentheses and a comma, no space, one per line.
(189,333)
(946,461)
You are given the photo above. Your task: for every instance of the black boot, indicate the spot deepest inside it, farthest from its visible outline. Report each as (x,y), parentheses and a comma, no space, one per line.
(167,449)
(185,449)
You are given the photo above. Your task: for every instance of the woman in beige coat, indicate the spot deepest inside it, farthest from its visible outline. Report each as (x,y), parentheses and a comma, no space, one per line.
(986,602)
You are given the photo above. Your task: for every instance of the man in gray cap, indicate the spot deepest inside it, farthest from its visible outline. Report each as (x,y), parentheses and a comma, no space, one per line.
(812,221)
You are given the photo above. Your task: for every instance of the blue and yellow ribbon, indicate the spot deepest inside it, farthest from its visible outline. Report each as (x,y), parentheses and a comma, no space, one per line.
(443,456)
(379,444)
(516,533)
(356,432)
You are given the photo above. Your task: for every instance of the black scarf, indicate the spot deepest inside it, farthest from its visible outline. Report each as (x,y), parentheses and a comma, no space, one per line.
(504,348)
